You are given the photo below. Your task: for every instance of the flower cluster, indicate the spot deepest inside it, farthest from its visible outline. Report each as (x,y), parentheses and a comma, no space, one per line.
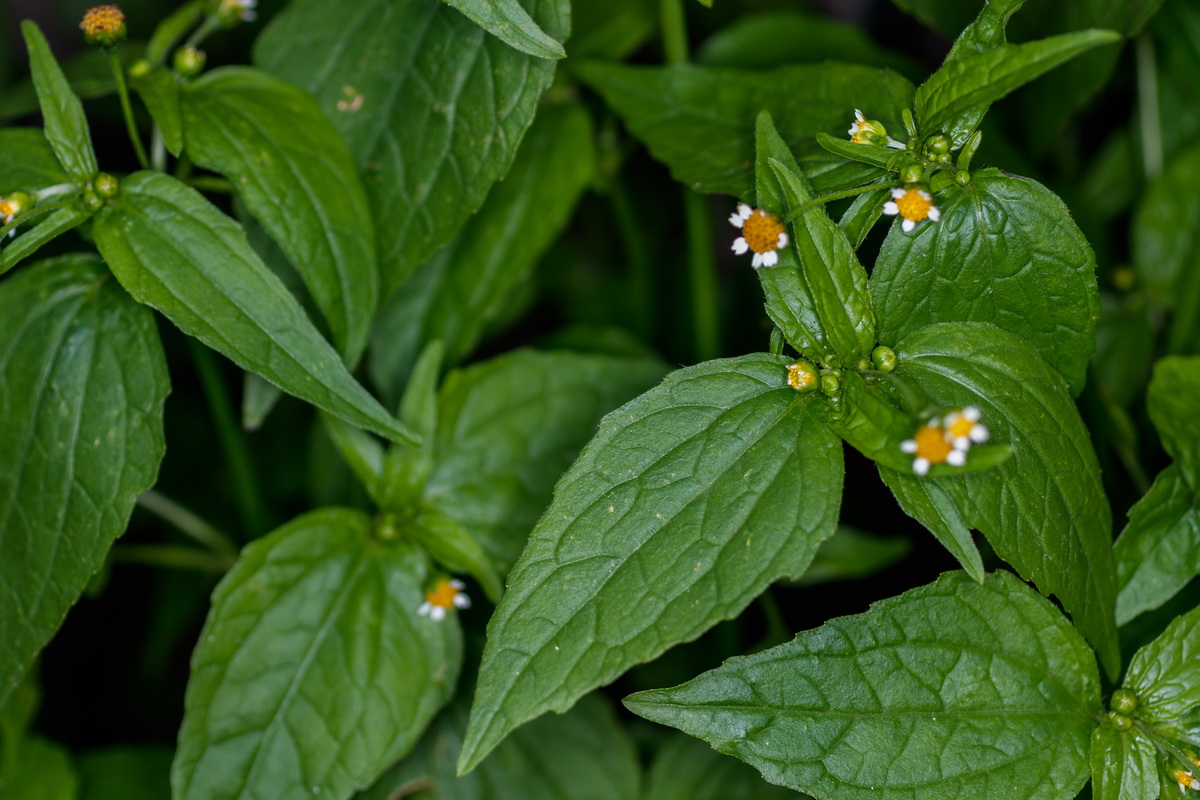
(445,594)
(913,204)
(761,233)
(945,440)
(103,25)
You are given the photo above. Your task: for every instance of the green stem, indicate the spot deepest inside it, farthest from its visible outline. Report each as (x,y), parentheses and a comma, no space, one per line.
(206,29)
(37,212)
(187,522)
(638,255)
(114,63)
(211,184)
(811,204)
(158,150)
(1148,114)
(702,271)
(674,31)
(237,454)
(173,556)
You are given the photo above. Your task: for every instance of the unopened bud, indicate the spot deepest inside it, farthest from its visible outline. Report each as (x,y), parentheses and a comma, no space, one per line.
(189,61)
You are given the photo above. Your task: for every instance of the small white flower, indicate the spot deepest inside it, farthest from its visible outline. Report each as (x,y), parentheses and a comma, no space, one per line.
(913,204)
(964,429)
(761,233)
(444,595)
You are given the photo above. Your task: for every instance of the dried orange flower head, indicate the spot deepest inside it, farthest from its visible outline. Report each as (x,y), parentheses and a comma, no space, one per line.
(103,25)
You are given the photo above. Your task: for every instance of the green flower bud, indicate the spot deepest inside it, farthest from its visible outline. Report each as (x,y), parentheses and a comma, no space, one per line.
(1123,702)
(939,144)
(831,385)
(962,177)
(139,68)
(1119,721)
(884,358)
(912,173)
(803,376)
(91,201)
(106,185)
(189,61)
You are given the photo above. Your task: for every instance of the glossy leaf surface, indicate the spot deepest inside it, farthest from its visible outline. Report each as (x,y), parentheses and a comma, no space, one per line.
(66,126)
(314,670)
(1124,765)
(508,21)
(1165,674)
(297,178)
(174,251)
(950,690)
(1006,251)
(1044,509)
(687,504)
(82,385)
(432,117)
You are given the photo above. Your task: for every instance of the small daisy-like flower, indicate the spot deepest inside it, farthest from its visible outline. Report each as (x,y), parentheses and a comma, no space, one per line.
(447,593)
(1186,780)
(964,429)
(913,204)
(103,25)
(866,131)
(761,232)
(12,205)
(930,446)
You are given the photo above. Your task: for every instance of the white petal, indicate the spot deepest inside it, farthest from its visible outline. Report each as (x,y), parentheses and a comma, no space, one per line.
(425,609)
(979,434)
(934,213)
(744,210)
(457,584)
(462,601)
(891,209)
(858,115)
(908,225)
(934,422)
(909,445)
(735,220)
(957,458)
(972,413)
(740,246)
(437,613)
(757,261)
(961,443)
(897,193)
(921,465)
(770,258)
(925,195)
(853,129)
(895,144)
(783,241)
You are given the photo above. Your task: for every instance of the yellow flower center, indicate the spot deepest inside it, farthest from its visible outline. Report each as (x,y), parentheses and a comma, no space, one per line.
(762,231)
(961,427)
(102,20)
(442,594)
(800,377)
(932,445)
(913,205)
(7,211)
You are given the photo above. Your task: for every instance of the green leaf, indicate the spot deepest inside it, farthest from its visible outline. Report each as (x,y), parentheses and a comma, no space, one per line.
(405,469)
(1158,553)
(870,422)
(1171,403)
(688,769)
(507,430)
(89,75)
(27,161)
(838,282)
(1044,509)
(689,502)
(789,299)
(581,755)
(297,178)
(961,86)
(862,215)
(43,232)
(951,690)
(314,670)
(610,29)
(174,251)
(851,555)
(82,385)
(472,283)
(888,158)
(1006,251)
(1165,674)
(511,24)
(66,125)
(430,133)
(43,772)
(126,773)
(160,90)
(172,29)
(987,32)
(1124,765)
(766,40)
(700,121)
(928,503)
(452,546)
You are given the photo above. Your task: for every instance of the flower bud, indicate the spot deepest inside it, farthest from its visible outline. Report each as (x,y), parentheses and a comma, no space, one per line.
(189,61)
(939,144)
(1119,721)
(962,177)
(103,25)
(884,358)
(912,173)
(867,131)
(231,12)
(106,186)
(1123,702)
(803,376)
(831,385)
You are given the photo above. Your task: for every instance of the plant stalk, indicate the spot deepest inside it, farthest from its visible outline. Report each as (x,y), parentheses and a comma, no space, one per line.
(114,64)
